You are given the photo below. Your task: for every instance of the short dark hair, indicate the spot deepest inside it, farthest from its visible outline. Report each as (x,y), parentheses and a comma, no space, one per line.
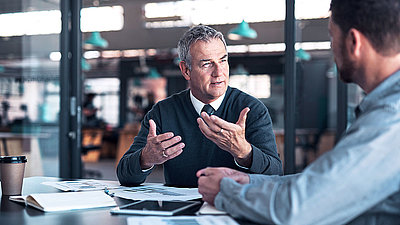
(199,32)
(378,20)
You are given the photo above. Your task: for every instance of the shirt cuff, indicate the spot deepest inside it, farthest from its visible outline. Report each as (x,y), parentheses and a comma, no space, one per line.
(237,164)
(224,199)
(147,170)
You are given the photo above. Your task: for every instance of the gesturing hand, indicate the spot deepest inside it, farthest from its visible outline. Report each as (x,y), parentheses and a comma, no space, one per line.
(210,179)
(160,148)
(228,136)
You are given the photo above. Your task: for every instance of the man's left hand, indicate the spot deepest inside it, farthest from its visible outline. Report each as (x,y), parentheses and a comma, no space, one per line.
(228,136)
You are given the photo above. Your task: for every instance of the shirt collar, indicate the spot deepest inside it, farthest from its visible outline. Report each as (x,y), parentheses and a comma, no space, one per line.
(198,105)
(388,86)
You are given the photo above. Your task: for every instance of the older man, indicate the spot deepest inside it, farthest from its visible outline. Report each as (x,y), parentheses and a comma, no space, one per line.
(357,182)
(235,129)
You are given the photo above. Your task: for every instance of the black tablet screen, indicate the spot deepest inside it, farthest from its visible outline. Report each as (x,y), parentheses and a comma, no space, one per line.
(157,205)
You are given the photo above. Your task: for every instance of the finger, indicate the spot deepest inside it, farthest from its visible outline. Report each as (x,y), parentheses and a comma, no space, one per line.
(173,149)
(211,123)
(162,137)
(243,116)
(152,129)
(204,128)
(170,142)
(201,172)
(207,171)
(174,154)
(220,123)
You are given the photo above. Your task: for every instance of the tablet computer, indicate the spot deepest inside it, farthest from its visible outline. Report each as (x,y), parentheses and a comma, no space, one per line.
(158,208)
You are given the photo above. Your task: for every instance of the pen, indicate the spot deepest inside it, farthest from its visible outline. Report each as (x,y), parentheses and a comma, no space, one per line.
(108,192)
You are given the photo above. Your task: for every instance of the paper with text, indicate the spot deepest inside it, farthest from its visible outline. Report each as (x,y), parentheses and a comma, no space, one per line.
(179,220)
(83,185)
(158,192)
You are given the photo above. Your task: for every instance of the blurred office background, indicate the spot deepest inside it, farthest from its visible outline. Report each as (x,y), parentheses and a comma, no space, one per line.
(128,62)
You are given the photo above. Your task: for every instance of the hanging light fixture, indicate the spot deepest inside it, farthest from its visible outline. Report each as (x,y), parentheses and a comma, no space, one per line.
(303,55)
(153,73)
(240,70)
(96,40)
(85,65)
(243,30)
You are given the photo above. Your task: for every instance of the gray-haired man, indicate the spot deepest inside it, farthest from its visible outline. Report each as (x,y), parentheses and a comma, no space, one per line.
(236,133)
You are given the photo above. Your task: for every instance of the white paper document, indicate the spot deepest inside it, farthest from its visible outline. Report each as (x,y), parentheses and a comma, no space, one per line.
(83,185)
(207,209)
(180,220)
(64,201)
(158,192)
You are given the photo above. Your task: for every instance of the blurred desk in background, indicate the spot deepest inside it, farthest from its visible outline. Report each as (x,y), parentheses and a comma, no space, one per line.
(308,145)
(125,140)
(24,144)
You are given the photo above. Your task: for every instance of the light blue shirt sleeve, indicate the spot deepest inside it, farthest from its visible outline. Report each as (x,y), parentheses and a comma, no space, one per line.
(361,173)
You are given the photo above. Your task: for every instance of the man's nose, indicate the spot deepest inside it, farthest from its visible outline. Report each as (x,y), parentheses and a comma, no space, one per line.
(218,70)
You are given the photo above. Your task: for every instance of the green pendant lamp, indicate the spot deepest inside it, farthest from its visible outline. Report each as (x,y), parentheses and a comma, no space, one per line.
(153,74)
(243,30)
(303,55)
(240,70)
(85,65)
(96,40)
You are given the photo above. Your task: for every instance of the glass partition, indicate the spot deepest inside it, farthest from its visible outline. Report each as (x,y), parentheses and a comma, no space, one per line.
(29,85)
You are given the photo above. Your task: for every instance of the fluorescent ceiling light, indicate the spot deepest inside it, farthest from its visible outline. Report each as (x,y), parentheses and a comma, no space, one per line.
(237,48)
(91,54)
(273,47)
(278,47)
(55,56)
(106,18)
(189,12)
(49,22)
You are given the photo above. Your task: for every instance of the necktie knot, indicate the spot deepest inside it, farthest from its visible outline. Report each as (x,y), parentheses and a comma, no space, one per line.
(208,109)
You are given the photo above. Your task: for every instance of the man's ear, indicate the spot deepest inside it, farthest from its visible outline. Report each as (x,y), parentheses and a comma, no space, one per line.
(184,70)
(354,42)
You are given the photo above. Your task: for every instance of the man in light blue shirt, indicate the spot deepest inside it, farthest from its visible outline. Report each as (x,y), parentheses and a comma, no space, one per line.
(358,181)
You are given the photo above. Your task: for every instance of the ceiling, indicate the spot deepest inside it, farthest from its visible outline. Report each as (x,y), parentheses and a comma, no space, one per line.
(133,35)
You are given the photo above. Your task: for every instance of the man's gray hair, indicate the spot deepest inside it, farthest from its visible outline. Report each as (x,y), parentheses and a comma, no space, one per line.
(199,32)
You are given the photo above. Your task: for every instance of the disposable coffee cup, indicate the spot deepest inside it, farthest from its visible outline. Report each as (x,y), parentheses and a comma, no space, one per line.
(12,174)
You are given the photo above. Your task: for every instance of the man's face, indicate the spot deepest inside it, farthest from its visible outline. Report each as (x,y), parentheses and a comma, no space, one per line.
(346,66)
(209,76)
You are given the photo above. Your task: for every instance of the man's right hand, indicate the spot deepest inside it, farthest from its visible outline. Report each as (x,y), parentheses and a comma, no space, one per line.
(210,179)
(160,148)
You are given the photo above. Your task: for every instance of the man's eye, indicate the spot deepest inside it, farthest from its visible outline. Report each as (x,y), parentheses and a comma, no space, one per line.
(207,64)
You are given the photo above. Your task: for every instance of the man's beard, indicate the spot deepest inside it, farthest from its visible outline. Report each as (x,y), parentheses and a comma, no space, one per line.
(348,69)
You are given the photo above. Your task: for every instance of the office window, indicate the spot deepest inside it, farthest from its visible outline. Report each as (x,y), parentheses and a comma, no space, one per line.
(258,86)
(107,98)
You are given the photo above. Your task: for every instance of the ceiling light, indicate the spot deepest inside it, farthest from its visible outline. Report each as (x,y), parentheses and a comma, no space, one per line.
(303,55)
(153,73)
(96,40)
(85,65)
(243,30)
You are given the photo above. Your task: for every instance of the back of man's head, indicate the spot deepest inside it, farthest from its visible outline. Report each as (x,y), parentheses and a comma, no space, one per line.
(378,20)
(196,33)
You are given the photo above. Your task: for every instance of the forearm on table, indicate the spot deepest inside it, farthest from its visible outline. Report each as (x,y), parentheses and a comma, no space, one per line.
(129,171)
